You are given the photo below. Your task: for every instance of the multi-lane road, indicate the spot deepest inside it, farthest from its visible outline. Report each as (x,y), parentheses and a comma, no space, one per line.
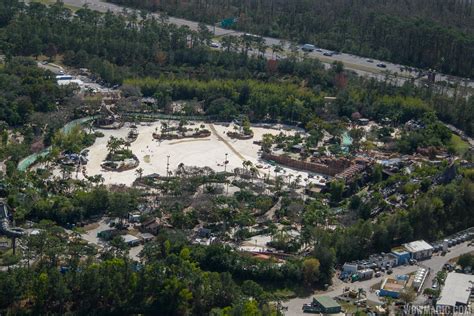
(361,65)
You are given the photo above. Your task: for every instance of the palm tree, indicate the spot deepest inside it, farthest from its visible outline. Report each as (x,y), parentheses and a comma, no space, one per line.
(289,179)
(246,42)
(97,179)
(360,292)
(139,173)
(164,128)
(114,144)
(276,48)
(228,42)
(260,45)
(246,164)
(66,171)
(254,172)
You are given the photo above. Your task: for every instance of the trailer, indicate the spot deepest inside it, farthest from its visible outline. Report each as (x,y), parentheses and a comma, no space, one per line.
(365,274)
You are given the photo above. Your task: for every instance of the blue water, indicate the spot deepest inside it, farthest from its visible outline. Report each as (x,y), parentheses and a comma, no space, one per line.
(346,142)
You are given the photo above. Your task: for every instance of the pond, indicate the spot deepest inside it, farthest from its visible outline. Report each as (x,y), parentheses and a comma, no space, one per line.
(346,142)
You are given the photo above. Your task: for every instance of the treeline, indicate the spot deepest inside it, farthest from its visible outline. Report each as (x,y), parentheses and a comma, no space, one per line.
(282,101)
(422,33)
(225,99)
(433,214)
(24,89)
(119,47)
(116,46)
(68,278)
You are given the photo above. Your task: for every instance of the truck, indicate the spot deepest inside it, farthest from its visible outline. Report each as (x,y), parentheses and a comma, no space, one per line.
(308,48)
(310,308)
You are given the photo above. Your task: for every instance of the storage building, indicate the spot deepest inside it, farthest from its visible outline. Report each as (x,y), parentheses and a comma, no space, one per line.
(327,305)
(419,250)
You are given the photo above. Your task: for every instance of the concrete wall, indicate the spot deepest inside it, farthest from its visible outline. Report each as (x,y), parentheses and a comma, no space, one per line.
(331,170)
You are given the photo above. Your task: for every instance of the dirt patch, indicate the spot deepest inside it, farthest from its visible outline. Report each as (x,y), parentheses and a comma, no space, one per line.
(91,226)
(188,140)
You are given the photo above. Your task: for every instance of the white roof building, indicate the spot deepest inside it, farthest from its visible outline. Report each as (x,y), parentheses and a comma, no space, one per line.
(65,82)
(417,246)
(457,290)
(131,240)
(419,249)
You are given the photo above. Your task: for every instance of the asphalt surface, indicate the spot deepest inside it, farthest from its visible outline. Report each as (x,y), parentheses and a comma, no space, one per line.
(91,237)
(435,264)
(361,65)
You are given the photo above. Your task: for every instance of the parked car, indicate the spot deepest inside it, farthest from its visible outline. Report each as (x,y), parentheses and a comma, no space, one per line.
(328,54)
(215,45)
(381,65)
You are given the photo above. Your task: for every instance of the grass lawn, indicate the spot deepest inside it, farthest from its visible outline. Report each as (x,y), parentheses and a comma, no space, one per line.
(284,294)
(459,146)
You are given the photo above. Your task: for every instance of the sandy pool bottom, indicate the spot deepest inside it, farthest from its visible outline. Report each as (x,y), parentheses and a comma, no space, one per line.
(206,152)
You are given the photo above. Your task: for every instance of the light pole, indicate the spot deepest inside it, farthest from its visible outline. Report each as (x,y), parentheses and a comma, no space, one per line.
(225,162)
(225,171)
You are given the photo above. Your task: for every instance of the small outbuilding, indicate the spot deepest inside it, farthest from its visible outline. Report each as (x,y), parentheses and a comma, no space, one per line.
(391,287)
(131,240)
(363,121)
(402,255)
(146,237)
(151,226)
(327,305)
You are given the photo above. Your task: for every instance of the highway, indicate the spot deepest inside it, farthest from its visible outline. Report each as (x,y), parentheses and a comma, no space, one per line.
(435,264)
(361,65)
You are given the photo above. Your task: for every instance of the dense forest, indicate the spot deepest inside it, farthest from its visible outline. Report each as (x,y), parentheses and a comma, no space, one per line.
(26,89)
(422,33)
(68,278)
(116,48)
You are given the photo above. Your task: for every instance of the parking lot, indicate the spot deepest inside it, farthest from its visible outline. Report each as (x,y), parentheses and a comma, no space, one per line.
(435,264)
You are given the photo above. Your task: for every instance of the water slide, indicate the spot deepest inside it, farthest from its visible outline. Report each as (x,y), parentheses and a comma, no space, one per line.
(5,228)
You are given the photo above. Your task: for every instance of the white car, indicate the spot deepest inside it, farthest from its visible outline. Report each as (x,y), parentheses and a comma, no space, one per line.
(215,45)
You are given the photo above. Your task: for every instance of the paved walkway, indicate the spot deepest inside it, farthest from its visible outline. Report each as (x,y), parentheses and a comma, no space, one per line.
(219,137)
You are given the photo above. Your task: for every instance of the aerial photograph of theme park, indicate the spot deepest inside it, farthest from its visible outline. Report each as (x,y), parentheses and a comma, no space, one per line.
(210,158)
